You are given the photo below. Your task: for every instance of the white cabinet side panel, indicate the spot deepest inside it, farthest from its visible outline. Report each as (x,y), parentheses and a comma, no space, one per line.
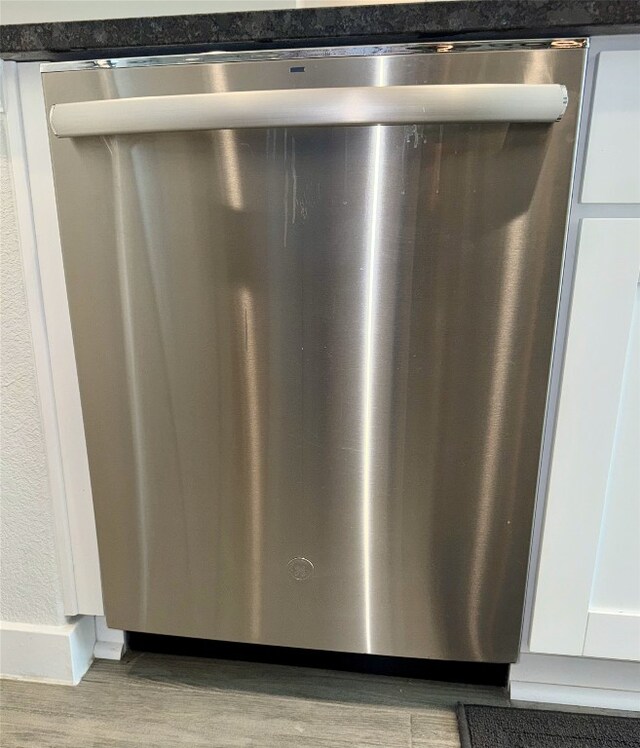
(612,172)
(601,315)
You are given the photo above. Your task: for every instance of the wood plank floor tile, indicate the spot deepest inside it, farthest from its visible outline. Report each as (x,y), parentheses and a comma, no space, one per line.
(159,700)
(437,728)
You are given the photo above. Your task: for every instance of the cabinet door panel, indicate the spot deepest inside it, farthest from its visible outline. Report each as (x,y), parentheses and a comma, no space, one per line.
(597,350)
(612,173)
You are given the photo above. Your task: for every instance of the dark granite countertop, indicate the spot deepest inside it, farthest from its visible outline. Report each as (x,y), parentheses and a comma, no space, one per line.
(463,19)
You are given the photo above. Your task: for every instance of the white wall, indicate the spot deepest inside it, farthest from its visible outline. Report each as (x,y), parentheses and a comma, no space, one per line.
(41,11)
(30,587)
(37,640)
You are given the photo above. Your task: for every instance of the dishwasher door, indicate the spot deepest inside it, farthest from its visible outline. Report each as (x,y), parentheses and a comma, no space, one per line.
(313,361)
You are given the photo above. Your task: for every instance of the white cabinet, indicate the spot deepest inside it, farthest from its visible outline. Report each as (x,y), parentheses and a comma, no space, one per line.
(582,631)
(612,172)
(587,599)
(587,590)
(613,627)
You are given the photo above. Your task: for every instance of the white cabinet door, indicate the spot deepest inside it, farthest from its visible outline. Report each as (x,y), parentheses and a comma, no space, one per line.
(613,627)
(612,172)
(588,596)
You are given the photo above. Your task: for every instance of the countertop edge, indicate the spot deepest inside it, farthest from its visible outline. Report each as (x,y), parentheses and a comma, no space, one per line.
(433,21)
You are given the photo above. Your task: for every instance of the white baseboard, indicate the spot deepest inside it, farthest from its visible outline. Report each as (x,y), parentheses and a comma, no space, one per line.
(576,681)
(599,698)
(52,654)
(110,643)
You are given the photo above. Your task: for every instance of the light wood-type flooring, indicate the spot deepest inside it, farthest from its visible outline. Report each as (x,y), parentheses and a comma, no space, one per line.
(162,700)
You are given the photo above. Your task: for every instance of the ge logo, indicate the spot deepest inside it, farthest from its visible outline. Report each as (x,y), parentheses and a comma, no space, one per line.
(300,568)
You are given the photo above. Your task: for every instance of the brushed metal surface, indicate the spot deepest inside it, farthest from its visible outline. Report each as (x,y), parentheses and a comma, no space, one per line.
(293,53)
(321,345)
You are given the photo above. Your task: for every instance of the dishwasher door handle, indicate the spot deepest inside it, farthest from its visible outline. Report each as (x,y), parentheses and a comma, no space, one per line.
(303,107)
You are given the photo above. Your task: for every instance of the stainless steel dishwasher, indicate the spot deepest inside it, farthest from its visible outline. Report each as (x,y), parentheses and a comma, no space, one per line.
(313,296)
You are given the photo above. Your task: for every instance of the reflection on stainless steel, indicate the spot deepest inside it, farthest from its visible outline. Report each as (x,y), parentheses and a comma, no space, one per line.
(369,360)
(313,361)
(254,445)
(228,143)
(131,345)
(231,168)
(312,52)
(369,357)
(493,443)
